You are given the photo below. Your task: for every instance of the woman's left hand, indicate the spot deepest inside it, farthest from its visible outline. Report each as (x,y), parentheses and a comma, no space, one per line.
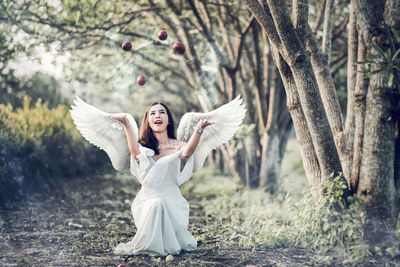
(203,123)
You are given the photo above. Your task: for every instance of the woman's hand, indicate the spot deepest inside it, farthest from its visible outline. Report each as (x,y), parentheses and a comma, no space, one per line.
(189,149)
(203,123)
(120,118)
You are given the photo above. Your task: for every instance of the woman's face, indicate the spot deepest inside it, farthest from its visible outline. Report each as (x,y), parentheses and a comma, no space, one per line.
(158,118)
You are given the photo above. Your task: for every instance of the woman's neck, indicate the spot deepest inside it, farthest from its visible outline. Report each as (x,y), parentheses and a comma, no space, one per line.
(162,137)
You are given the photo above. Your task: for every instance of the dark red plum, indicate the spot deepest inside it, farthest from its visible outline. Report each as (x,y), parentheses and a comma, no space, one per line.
(162,35)
(141,80)
(127,46)
(179,48)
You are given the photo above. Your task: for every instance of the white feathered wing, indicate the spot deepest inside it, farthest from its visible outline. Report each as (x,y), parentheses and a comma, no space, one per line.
(227,121)
(103,132)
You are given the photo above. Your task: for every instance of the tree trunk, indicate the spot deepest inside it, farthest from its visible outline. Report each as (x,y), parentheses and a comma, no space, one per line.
(376,181)
(308,155)
(374,177)
(275,136)
(348,136)
(376,186)
(297,59)
(327,35)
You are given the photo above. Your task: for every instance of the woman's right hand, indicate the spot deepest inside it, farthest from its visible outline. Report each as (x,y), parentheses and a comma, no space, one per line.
(120,117)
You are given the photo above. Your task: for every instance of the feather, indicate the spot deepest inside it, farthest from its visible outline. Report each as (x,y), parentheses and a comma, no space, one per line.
(103,132)
(227,119)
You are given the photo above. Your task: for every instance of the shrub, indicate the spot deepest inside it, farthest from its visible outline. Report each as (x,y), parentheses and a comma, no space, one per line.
(330,229)
(332,226)
(39,145)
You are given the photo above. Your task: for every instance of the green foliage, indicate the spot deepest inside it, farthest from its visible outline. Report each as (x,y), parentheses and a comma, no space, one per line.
(333,225)
(38,86)
(249,218)
(39,145)
(386,60)
(330,228)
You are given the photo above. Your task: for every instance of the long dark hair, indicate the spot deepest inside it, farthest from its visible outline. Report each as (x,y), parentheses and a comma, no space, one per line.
(146,136)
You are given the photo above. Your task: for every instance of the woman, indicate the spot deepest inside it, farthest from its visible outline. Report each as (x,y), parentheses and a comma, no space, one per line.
(160,163)
(160,212)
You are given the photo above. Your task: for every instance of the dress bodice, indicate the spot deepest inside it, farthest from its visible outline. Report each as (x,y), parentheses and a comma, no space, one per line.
(161,173)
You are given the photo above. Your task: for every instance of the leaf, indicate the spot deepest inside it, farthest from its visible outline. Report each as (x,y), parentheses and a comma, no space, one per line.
(395,55)
(389,55)
(396,34)
(380,51)
(390,79)
(77,17)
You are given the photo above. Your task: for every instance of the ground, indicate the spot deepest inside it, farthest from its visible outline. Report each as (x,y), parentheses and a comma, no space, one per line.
(81,221)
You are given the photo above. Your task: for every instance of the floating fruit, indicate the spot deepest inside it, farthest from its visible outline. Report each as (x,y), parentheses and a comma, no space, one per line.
(179,48)
(141,80)
(162,35)
(127,46)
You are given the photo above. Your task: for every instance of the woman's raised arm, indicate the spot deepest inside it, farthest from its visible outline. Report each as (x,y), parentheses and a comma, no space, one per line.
(189,149)
(132,142)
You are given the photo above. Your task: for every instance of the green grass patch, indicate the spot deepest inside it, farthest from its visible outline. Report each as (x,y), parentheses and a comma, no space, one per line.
(254,219)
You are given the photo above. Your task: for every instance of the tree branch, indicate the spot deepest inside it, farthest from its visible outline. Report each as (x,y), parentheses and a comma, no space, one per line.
(337,32)
(360,95)
(300,17)
(264,17)
(327,34)
(338,65)
(318,20)
(241,42)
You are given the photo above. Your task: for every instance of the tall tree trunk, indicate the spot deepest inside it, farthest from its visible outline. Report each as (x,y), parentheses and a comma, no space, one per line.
(275,136)
(348,135)
(295,55)
(308,154)
(327,34)
(376,186)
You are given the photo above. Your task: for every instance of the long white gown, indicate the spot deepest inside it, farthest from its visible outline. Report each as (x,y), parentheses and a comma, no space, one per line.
(160,212)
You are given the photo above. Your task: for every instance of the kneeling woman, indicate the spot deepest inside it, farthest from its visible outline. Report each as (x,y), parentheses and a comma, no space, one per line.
(160,212)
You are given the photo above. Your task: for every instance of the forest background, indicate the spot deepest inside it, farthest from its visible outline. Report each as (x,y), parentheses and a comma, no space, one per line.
(323,72)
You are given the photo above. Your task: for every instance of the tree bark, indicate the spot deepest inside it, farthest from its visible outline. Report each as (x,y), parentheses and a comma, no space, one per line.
(376,186)
(327,34)
(360,94)
(297,59)
(275,136)
(376,182)
(307,151)
(348,135)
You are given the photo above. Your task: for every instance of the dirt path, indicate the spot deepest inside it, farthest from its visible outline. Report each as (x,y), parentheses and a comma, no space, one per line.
(81,222)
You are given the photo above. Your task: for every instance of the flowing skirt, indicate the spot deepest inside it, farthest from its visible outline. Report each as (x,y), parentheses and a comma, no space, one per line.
(161,217)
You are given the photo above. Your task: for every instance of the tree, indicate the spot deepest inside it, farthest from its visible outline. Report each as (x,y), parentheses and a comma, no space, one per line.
(366,148)
(225,56)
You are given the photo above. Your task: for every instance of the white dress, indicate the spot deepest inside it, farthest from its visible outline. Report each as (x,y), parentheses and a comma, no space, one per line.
(160,212)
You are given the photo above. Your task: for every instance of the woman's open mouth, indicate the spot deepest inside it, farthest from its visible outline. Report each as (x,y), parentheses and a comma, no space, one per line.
(158,122)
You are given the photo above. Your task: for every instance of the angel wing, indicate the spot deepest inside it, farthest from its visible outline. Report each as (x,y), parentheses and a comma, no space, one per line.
(227,120)
(103,132)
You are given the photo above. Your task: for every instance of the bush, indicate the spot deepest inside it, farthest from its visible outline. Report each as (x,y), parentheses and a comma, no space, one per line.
(330,229)
(39,145)
(332,226)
